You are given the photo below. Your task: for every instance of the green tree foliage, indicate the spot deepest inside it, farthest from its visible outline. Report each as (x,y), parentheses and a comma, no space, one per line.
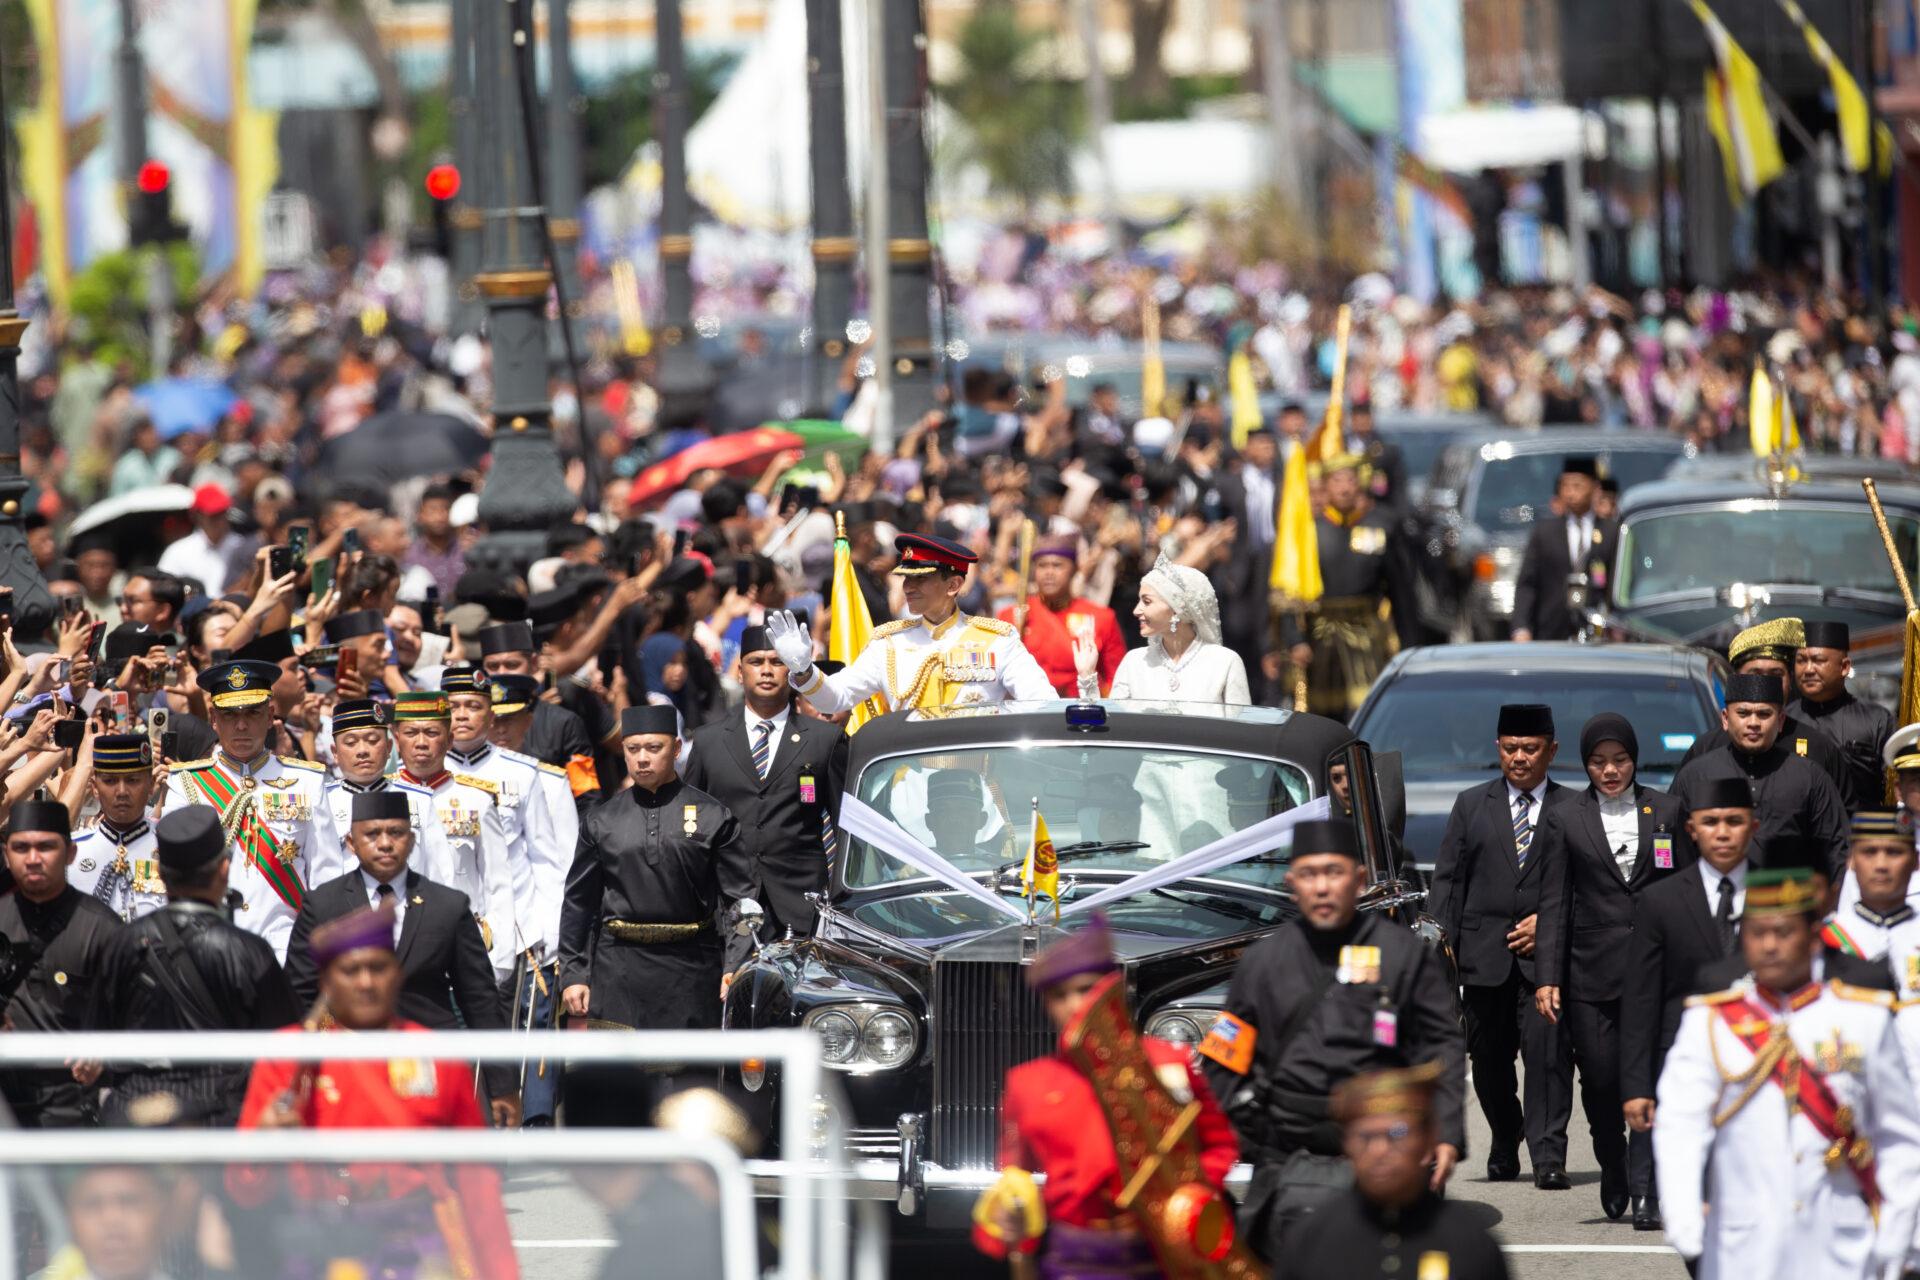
(1022,123)
(109,300)
(619,116)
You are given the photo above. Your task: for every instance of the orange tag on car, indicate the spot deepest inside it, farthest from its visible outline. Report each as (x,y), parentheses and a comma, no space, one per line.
(1230,1042)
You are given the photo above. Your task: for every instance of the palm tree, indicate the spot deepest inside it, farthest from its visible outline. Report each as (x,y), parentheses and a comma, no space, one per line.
(1022,124)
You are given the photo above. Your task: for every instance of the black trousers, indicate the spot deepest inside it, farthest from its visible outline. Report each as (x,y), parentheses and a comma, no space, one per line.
(1503,1025)
(1593,1033)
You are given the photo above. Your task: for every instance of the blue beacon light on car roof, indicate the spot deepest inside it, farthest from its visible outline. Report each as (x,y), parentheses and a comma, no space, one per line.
(1086,716)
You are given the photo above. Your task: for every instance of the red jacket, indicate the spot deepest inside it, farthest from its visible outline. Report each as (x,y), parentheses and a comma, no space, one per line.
(1050,638)
(397,1094)
(1051,1123)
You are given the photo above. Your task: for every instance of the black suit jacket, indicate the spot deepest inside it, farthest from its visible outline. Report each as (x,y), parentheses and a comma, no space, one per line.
(1586,905)
(1673,940)
(1479,889)
(1540,592)
(443,960)
(1241,579)
(779,829)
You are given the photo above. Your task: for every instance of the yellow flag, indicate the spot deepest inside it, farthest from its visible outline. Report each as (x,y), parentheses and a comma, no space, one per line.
(1849,103)
(1246,396)
(1737,112)
(851,625)
(1153,370)
(1041,871)
(1908,710)
(1296,547)
(1331,439)
(1771,427)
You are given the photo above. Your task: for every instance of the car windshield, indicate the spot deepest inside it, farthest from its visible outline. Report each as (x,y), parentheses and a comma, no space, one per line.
(1442,723)
(1419,449)
(1674,551)
(975,807)
(1513,491)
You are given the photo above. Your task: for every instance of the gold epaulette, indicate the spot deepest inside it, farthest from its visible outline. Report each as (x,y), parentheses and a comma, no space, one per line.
(190,764)
(297,763)
(1865,995)
(546,767)
(1716,997)
(993,626)
(487,785)
(893,628)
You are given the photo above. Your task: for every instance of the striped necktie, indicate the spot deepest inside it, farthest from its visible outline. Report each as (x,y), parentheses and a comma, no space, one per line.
(1522,826)
(762,755)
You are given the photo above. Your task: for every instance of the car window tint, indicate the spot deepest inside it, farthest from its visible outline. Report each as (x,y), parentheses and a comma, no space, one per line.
(1514,492)
(1689,550)
(1442,723)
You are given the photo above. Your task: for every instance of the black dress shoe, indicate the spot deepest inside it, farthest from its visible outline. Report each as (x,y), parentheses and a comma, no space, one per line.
(1646,1213)
(1503,1168)
(1551,1177)
(1613,1193)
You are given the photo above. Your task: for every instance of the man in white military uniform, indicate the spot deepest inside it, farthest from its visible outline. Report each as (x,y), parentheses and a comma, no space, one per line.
(361,748)
(940,657)
(538,797)
(1790,1101)
(274,809)
(1902,756)
(481,834)
(117,859)
(1881,924)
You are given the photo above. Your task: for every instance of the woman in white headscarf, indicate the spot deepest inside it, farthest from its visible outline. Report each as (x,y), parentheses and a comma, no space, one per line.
(1184,660)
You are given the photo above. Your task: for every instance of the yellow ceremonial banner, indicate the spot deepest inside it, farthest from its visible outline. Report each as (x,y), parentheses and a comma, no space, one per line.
(850,625)
(1737,112)
(1908,710)
(1849,103)
(1153,370)
(1296,545)
(1245,396)
(1041,871)
(1331,440)
(1771,427)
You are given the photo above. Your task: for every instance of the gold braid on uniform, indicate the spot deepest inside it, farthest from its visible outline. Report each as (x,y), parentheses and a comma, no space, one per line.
(1757,1075)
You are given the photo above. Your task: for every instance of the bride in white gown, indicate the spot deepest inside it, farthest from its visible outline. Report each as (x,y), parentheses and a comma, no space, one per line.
(1183,660)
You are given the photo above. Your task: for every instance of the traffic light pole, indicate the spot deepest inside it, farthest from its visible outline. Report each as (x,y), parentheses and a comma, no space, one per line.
(525,493)
(131,111)
(465,219)
(32,602)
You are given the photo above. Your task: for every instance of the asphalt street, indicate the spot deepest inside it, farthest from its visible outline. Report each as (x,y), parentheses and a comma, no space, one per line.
(1549,1235)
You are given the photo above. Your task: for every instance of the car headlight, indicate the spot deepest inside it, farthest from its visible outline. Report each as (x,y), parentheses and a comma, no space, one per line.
(863,1038)
(1183,1029)
(839,1036)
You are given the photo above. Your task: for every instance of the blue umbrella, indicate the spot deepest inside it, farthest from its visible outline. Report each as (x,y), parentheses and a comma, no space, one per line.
(178,405)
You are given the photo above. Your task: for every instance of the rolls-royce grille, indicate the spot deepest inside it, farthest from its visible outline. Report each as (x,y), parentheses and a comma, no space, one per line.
(984,1021)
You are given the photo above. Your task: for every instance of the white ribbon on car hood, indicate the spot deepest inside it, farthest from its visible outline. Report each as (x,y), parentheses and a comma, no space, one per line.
(1223,852)
(889,837)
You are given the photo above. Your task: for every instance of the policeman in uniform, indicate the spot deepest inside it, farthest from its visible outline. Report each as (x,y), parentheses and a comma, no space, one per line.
(1345,641)
(1789,1099)
(1798,806)
(477,841)
(1772,649)
(63,945)
(189,968)
(114,859)
(939,657)
(1288,1035)
(274,808)
(1859,728)
(1879,923)
(1393,1223)
(1052,1122)
(558,735)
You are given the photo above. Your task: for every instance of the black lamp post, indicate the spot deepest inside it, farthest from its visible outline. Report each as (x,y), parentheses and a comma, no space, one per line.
(32,602)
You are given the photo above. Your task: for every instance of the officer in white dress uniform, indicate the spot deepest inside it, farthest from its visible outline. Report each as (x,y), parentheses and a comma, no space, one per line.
(273,808)
(1902,757)
(1790,1101)
(117,859)
(361,748)
(1881,923)
(940,657)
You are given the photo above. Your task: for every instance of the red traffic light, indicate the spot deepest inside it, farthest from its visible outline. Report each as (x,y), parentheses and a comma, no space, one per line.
(443,181)
(152,178)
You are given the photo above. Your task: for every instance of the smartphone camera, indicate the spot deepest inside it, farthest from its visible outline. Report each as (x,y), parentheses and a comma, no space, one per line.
(279,562)
(68,734)
(71,606)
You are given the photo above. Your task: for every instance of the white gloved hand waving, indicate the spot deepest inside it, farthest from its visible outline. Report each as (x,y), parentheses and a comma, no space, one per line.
(791,641)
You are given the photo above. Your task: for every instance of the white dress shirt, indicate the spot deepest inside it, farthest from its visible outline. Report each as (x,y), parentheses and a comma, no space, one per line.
(1621,821)
(399,884)
(1263,510)
(1539,797)
(778,722)
(1713,878)
(1579,539)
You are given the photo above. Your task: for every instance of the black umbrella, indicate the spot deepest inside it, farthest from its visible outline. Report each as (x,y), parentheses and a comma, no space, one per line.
(391,447)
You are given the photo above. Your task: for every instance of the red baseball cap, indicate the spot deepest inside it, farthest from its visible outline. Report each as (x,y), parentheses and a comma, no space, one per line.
(211,500)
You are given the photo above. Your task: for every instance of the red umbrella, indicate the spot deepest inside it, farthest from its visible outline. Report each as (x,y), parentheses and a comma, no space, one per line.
(741,453)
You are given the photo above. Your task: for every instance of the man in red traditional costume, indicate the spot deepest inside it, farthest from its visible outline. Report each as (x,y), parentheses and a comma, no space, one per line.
(1057,619)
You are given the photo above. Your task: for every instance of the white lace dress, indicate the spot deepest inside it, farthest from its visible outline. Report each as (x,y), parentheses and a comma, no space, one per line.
(1204,673)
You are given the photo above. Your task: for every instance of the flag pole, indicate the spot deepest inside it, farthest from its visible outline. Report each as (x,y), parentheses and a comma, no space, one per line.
(1030,876)
(1886,540)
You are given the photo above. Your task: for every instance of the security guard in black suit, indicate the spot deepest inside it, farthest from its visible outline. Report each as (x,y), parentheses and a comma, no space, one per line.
(1575,541)
(446,979)
(1772,648)
(780,774)
(1486,895)
(190,968)
(1325,997)
(1858,727)
(62,945)
(1599,851)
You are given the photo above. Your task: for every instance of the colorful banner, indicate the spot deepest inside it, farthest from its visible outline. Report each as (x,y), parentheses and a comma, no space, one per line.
(222,154)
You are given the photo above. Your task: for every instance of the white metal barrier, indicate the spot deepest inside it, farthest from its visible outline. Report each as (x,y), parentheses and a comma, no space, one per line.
(814,1207)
